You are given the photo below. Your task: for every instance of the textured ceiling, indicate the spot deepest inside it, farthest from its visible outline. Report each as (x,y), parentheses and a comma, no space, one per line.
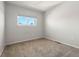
(39,5)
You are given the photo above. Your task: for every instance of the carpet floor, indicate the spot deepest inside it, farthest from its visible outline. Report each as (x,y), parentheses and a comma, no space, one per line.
(40,48)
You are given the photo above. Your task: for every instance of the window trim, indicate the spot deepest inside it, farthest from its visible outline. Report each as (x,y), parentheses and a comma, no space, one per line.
(26,16)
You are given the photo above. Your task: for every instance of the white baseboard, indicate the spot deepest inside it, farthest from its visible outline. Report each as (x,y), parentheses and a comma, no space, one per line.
(1,51)
(23,40)
(47,37)
(51,38)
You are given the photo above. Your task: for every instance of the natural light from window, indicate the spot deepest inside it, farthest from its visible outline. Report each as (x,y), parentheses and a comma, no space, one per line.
(26,21)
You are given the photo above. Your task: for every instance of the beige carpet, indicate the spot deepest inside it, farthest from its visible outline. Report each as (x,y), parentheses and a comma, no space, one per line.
(40,48)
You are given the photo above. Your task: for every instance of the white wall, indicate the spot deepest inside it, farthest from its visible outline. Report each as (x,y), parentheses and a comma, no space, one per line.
(1,27)
(62,23)
(16,34)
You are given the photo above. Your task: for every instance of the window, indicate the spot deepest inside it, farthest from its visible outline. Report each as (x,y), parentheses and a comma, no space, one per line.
(29,21)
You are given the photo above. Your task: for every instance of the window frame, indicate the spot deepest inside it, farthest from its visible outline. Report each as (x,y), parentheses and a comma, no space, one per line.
(27,24)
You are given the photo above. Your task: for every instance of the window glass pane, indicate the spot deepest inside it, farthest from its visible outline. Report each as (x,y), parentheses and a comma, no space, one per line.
(30,21)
